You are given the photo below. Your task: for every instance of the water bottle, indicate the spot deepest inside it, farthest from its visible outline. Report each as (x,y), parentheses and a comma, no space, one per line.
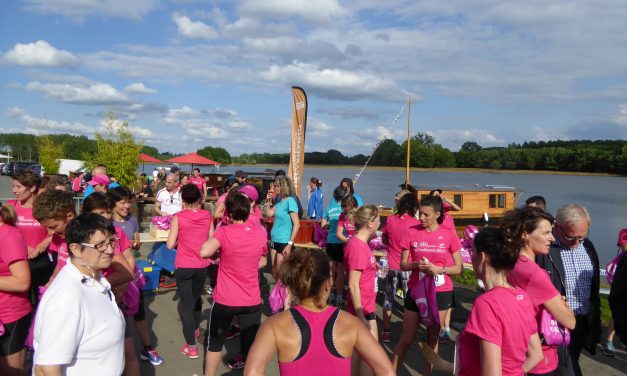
(382,270)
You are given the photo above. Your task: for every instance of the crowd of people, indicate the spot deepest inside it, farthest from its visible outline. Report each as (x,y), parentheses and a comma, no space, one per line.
(539,275)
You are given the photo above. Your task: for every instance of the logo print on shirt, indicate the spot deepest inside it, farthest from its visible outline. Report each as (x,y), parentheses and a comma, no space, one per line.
(520,297)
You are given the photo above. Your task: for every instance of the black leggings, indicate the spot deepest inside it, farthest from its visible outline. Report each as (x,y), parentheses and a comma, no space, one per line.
(189,284)
(220,321)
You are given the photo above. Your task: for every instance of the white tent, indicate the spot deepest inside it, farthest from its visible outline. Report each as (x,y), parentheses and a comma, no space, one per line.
(7,157)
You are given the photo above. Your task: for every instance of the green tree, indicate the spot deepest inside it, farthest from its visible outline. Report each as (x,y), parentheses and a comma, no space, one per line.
(218,154)
(387,154)
(470,146)
(49,154)
(118,150)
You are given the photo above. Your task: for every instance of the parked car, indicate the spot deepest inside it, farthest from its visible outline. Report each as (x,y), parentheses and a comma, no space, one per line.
(35,167)
(21,165)
(5,169)
(2,167)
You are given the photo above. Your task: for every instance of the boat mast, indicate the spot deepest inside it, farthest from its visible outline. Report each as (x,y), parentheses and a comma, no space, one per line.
(408,140)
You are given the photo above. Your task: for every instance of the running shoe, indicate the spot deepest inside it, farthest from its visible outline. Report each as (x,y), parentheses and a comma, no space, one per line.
(196,334)
(445,336)
(608,348)
(232,332)
(236,363)
(167,283)
(151,356)
(189,351)
(386,337)
(400,293)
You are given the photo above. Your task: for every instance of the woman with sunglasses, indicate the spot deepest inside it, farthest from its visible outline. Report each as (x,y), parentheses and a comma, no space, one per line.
(79,329)
(529,230)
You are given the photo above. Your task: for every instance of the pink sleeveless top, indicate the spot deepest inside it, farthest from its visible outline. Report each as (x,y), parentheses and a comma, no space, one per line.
(317,355)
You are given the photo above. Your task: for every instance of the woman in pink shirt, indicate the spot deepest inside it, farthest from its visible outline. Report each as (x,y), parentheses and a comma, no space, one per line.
(242,247)
(530,230)
(345,226)
(199,182)
(501,335)
(15,308)
(333,334)
(220,215)
(189,230)
(25,188)
(361,268)
(429,249)
(392,234)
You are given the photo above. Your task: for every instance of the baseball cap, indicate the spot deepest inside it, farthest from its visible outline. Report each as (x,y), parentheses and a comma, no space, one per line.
(99,179)
(241,174)
(250,191)
(622,237)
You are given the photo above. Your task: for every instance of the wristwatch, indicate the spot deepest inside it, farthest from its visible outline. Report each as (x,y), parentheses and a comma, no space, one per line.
(290,242)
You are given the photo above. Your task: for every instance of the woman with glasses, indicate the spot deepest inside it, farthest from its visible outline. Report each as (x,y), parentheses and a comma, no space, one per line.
(529,230)
(79,329)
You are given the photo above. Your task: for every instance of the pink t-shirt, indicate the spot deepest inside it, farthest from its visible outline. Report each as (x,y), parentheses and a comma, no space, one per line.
(198,182)
(256,217)
(395,228)
(359,256)
(505,318)
(59,246)
(448,218)
(120,246)
(13,305)
(437,246)
(225,215)
(193,232)
(537,284)
(241,247)
(349,228)
(33,232)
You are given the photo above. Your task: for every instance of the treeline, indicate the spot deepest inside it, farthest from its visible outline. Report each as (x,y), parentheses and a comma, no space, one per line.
(604,156)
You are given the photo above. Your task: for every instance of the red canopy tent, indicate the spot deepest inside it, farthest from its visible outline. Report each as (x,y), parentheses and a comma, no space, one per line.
(193,159)
(148,158)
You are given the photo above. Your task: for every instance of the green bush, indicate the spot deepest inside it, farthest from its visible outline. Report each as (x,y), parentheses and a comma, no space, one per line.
(49,154)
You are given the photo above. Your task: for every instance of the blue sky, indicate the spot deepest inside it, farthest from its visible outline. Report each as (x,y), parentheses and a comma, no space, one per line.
(187,74)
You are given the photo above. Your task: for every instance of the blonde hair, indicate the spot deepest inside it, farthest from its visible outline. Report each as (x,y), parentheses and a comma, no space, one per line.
(7,215)
(286,189)
(363,215)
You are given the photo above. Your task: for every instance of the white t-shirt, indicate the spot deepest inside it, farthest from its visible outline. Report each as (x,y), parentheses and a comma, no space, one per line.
(79,326)
(171,203)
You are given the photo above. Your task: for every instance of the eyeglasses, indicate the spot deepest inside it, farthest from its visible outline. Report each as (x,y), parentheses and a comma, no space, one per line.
(573,238)
(102,247)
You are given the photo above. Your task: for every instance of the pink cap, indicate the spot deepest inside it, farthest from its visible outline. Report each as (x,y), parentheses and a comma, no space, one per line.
(250,192)
(99,179)
(470,232)
(622,237)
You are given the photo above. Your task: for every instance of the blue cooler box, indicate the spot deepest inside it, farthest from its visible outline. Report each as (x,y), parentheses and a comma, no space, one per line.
(163,257)
(151,272)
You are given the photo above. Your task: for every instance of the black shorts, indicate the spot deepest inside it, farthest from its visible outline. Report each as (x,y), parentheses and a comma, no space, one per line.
(444,299)
(141,312)
(370,316)
(220,321)
(14,336)
(279,247)
(336,251)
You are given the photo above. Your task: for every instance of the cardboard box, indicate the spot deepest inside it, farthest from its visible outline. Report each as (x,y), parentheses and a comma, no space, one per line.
(157,233)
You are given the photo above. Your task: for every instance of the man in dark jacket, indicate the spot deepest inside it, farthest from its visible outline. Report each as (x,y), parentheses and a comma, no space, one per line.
(573,265)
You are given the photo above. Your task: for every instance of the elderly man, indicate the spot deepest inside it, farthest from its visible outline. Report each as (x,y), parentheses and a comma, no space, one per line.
(573,265)
(168,200)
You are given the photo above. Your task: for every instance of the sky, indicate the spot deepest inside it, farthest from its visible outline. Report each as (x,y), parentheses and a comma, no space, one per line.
(189,74)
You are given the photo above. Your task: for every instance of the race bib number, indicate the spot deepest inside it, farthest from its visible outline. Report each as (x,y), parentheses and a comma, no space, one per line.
(439,280)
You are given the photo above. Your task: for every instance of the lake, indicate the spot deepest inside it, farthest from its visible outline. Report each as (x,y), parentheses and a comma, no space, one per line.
(604,196)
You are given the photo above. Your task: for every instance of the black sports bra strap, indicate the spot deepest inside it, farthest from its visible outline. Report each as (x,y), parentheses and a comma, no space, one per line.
(305,332)
(328,334)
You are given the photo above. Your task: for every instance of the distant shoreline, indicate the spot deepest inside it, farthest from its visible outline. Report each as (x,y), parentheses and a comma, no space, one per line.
(451,169)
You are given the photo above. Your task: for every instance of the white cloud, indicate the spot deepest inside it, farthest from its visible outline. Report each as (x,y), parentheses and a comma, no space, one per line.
(38,54)
(454,138)
(621,117)
(193,29)
(197,124)
(99,94)
(335,83)
(80,9)
(319,11)
(139,132)
(318,128)
(139,88)
(39,126)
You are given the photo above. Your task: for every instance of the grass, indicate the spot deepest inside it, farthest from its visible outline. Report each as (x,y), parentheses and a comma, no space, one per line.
(467,279)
